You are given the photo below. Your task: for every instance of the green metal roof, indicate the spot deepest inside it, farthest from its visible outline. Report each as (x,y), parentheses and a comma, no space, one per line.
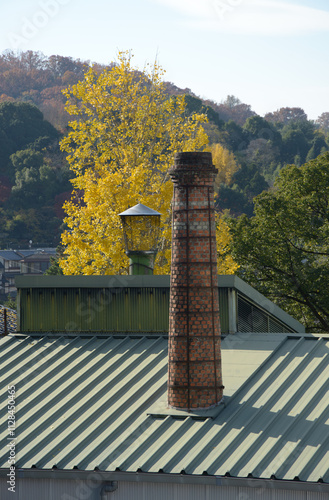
(86,401)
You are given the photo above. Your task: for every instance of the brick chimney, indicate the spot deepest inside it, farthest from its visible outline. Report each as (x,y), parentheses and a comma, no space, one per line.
(194,378)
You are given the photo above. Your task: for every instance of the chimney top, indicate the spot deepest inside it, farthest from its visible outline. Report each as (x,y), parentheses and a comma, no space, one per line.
(193,158)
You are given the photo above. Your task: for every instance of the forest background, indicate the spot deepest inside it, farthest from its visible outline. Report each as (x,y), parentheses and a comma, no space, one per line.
(250,150)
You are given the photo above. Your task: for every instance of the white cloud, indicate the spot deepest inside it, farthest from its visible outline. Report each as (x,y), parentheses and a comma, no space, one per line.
(255,17)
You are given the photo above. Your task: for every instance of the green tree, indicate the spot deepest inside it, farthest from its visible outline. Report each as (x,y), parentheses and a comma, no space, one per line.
(283,250)
(54,268)
(258,128)
(41,226)
(250,181)
(195,105)
(246,183)
(26,158)
(23,123)
(294,143)
(234,137)
(233,200)
(319,146)
(22,127)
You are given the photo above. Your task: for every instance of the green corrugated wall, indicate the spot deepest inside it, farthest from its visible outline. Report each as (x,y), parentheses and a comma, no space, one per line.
(125,309)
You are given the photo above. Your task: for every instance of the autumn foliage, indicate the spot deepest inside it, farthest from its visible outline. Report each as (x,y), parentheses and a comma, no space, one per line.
(120,146)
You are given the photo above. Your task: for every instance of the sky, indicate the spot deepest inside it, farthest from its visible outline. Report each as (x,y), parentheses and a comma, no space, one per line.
(268,53)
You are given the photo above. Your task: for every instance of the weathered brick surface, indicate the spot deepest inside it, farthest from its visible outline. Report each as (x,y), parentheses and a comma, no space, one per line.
(194,379)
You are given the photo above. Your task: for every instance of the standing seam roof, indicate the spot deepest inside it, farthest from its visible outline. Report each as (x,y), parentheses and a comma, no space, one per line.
(84,401)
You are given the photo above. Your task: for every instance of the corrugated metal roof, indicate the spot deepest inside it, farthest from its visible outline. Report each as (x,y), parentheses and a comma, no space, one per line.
(83,402)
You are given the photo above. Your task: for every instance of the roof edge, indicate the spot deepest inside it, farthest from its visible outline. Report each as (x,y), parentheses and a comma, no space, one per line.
(109,281)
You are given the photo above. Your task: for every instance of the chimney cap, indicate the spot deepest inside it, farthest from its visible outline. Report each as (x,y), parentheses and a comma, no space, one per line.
(139,210)
(193,157)
(193,162)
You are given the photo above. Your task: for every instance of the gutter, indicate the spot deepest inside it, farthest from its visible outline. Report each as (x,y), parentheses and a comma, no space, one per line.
(100,477)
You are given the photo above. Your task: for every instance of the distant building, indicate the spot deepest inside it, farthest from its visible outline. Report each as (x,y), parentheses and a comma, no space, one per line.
(16,262)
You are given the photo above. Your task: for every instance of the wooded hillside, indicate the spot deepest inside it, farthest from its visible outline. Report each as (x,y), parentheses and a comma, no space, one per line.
(34,175)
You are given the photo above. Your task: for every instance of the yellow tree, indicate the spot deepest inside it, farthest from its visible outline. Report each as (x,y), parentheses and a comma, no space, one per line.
(225,262)
(225,162)
(120,146)
(226,165)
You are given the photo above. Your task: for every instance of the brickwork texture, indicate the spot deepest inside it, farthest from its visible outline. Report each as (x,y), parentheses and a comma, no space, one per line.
(194,378)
